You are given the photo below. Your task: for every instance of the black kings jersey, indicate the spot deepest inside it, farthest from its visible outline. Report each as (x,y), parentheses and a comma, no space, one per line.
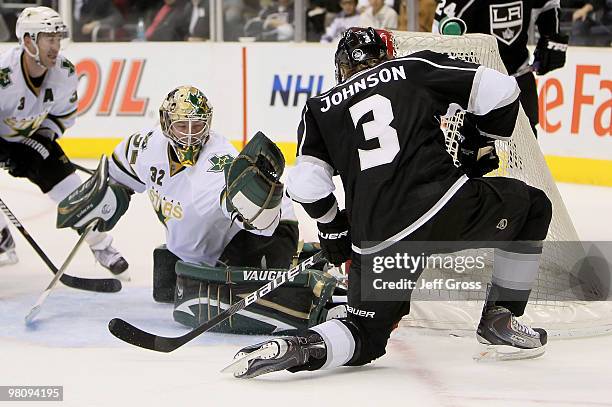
(506,20)
(380,131)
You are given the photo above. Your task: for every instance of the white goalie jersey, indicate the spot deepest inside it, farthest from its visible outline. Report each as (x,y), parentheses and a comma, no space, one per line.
(185,199)
(25,108)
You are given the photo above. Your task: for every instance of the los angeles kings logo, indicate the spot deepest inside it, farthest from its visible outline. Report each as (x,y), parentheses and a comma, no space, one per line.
(506,21)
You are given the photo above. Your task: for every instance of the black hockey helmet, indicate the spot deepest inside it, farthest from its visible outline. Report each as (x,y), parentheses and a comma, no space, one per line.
(356,47)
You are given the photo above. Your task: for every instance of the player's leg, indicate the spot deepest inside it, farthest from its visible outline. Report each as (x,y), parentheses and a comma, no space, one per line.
(509,211)
(8,255)
(529,99)
(56,177)
(353,341)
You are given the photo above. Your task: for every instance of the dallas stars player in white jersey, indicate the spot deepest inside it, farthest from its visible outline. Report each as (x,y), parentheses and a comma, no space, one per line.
(38,102)
(180,164)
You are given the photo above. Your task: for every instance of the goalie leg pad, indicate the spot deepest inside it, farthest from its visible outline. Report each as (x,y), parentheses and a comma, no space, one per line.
(164,276)
(203,292)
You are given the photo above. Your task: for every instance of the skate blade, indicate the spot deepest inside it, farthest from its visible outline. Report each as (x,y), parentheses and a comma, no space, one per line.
(125,276)
(494,353)
(241,364)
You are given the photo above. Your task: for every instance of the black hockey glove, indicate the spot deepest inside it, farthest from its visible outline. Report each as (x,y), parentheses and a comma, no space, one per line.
(477,153)
(550,53)
(335,239)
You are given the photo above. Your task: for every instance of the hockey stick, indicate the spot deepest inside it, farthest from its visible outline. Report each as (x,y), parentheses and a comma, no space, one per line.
(36,308)
(103,285)
(137,337)
(84,169)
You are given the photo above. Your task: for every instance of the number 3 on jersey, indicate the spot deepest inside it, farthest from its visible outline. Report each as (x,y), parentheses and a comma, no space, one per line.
(379,128)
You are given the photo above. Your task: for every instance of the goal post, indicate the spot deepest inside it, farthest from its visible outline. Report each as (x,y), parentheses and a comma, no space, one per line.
(554,304)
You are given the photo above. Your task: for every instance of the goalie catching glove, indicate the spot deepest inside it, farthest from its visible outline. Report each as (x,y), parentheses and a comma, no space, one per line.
(253,190)
(97,198)
(477,153)
(550,53)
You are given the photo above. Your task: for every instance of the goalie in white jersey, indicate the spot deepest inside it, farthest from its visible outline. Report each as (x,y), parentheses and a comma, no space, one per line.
(38,102)
(183,167)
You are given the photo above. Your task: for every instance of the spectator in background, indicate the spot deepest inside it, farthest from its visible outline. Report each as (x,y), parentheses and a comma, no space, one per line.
(179,20)
(592,24)
(90,15)
(168,23)
(362,5)
(379,15)
(236,13)
(274,23)
(196,12)
(348,17)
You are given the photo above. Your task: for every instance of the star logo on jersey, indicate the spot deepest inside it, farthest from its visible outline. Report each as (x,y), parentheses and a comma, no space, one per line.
(5,77)
(165,209)
(506,21)
(219,162)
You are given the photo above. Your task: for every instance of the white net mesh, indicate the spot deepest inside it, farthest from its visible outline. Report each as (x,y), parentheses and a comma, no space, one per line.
(554,303)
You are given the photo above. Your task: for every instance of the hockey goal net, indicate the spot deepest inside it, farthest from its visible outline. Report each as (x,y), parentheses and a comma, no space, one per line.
(554,303)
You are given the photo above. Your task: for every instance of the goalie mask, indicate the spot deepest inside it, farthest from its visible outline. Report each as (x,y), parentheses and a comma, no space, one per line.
(185,118)
(35,20)
(359,48)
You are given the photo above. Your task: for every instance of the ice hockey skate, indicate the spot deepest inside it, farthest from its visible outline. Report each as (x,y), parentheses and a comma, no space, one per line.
(506,338)
(276,354)
(8,255)
(112,260)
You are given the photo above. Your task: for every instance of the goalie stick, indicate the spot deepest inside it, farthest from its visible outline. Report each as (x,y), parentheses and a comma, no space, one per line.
(137,337)
(102,285)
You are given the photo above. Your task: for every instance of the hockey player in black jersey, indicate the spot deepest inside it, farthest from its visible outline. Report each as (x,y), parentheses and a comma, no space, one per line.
(508,21)
(378,129)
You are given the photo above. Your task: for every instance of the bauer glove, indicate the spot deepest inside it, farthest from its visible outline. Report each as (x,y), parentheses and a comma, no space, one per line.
(550,53)
(335,239)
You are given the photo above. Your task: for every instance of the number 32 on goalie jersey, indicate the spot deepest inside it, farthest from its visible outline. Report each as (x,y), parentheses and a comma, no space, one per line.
(379,128)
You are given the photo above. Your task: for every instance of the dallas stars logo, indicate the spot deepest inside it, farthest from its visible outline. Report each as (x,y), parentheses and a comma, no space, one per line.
(5,77)
(219,162)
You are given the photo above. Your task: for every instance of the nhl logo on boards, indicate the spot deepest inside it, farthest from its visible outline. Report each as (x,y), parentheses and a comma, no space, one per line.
(501,225)
(506,21)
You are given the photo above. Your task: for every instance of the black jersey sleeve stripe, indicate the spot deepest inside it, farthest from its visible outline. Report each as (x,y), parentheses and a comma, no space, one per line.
(127,172)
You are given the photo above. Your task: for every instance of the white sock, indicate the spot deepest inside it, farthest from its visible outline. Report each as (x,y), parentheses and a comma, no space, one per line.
(98,240)
(338,340)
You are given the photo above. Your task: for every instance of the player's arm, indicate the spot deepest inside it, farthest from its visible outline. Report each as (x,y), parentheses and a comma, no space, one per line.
(123,161)
(310,184)
(552,45)
(491,97)
(452,17)
(63,111)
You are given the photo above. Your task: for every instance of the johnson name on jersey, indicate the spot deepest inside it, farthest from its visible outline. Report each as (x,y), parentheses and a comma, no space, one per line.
(185,199)
(25,108)
(506,20)
(380,131)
